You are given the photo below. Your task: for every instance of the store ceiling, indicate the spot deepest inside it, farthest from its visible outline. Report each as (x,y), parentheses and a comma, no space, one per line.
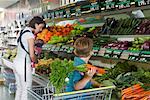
(6,3)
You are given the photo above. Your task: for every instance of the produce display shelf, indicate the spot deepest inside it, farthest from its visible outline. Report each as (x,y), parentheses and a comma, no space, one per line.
(110,63)
(12,36)
(53,47)
(97,51)
(125,10)
(126,36)
(10,44)
(103,13)
(148,62)
(91,25)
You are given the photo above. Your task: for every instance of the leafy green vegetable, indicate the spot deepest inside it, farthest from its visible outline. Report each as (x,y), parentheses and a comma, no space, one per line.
(124,75)
(60,70)
(121,68)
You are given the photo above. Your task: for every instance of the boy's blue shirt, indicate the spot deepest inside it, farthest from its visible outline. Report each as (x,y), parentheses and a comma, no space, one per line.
(76,76)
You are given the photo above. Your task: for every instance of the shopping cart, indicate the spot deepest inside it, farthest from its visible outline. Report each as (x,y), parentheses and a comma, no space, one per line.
(41,93)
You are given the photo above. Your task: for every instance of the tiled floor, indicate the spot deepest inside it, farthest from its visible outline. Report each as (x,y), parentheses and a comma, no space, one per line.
(4,94)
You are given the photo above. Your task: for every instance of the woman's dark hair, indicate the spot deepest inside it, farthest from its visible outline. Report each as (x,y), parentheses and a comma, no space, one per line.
(36,20)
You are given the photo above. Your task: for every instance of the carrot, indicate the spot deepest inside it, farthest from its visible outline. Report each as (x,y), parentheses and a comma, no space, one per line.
(132,88)
(137,96)
(132,91)
(145,98)
(98,70)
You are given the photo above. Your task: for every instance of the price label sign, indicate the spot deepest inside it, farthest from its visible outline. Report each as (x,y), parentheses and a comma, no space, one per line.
(94,6)
(134,55)
(141,2)
(61,12)
(68,14)
(57,14)
(52,15)
(108,53)
(53,48)
(145,56)
(70,50)
(66,48)
(49,15)
(125,55)
(117,53)
(101,52)
(123,4)
(78,11)
(109,4)
(95,51)
(148,2)
(57,48)
(45,16)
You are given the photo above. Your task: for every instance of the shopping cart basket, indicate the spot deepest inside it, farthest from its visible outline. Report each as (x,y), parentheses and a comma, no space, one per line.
(40,93)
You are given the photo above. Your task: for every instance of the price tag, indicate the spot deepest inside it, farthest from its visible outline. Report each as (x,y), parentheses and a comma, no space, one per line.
(109,4)
(53,48)
(52,15)
(57,14)
(70,50)
(78,11)
(57,48)
(145,56)
(134,55)
(101,52)
(45,16)
(123,4)
(61,12)
(68,14)
(117,53)
(125,55)
(140,2)
(46,47)
(95,51)
(94,6)
(61,48)
(148,2)
(66,48)
(108,53)
(49,15)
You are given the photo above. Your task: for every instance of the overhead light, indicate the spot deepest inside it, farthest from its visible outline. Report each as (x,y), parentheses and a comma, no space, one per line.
(1,9)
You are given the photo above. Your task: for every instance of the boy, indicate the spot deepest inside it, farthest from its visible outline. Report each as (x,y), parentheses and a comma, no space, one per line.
(79,80)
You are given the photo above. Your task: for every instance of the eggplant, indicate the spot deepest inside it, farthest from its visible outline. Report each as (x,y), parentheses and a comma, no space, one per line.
(146,45)
(123,48)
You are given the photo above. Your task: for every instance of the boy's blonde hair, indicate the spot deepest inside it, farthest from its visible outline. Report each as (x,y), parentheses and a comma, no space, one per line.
(83,46)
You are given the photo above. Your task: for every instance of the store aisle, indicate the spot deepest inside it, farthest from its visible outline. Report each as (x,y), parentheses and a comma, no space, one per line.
(4,94)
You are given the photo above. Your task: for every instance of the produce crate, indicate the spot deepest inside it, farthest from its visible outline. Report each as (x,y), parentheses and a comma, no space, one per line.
(41,93)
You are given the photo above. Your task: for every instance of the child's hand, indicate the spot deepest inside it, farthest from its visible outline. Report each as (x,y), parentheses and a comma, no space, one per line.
(91,73)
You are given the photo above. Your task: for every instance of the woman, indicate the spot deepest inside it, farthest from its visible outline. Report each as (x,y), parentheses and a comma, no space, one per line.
(25,55)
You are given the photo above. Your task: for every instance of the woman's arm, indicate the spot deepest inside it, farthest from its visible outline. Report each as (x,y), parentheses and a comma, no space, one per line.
(31,49)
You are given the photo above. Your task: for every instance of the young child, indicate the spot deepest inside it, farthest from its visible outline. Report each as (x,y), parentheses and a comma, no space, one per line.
(79,80)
